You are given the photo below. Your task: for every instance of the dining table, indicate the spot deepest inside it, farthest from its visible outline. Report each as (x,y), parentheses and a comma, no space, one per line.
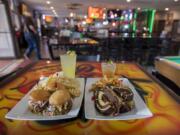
(163,104)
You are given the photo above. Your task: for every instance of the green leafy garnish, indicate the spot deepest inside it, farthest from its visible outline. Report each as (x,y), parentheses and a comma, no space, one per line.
(71,53)
(110,62)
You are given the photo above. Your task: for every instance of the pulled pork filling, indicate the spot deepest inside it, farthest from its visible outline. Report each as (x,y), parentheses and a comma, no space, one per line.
(52,110)
(37,107)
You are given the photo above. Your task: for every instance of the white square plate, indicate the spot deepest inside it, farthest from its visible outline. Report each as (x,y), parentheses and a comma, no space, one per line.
(21,112)
(140,110)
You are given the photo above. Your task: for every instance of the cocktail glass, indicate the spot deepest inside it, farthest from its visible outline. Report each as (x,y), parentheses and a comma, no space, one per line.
(108,69)
(68,63)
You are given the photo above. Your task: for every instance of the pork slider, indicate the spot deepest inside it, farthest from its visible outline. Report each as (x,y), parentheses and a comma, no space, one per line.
(59,103)
(38,100)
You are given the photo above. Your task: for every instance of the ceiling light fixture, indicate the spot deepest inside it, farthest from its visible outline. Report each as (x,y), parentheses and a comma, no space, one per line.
(176,0)
(71,14)
(48,2)
(84,22)
(166,9)
(128,0)
(105,23)
(51,7)
(115,15)
(113,24)
(138,8)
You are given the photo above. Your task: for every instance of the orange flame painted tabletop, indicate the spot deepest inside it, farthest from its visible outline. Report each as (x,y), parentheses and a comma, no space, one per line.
(166,111)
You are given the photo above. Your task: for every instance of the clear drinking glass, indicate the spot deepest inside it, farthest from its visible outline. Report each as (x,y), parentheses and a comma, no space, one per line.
(108,69)
(68,64)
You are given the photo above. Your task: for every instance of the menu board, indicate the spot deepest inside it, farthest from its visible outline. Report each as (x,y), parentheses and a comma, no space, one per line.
(95,12)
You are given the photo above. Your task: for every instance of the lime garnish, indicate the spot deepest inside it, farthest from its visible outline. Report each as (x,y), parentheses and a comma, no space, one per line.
(110,62)
(71,53)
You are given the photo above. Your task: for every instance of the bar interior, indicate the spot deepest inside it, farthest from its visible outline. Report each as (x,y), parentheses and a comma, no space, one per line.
(82,67)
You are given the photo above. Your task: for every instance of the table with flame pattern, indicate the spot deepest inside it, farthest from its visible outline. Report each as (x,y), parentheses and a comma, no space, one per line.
(165,109)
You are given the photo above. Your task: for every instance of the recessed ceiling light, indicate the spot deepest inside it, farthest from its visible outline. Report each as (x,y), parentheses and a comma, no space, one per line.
(128,0)
(166,9)
(48,2)
(176,0)
(114,24)
(138,8)
(51,7)
(71,14)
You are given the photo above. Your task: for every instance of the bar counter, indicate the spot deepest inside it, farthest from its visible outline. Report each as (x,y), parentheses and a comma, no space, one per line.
(163,105)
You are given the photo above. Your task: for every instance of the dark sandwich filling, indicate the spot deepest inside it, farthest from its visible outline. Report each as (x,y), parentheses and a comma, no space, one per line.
(52,110)
(113,101)
(38,106)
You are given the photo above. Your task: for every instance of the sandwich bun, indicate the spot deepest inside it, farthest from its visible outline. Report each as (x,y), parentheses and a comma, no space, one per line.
(39,95)
(59,97)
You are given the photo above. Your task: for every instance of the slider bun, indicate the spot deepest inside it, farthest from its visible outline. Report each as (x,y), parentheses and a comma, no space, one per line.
(59,97)
(39,95)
